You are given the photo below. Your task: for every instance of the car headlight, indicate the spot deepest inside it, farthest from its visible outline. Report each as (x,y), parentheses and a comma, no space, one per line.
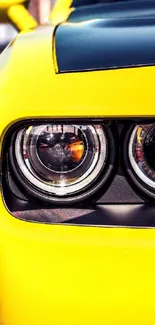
(141,152)
(60,162)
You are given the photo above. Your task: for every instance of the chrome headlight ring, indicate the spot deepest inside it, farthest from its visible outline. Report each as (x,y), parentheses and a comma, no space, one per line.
(62,163)
(139,157)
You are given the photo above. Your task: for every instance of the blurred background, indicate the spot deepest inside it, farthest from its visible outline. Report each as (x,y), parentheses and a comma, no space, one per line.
(39,9)
(7,31)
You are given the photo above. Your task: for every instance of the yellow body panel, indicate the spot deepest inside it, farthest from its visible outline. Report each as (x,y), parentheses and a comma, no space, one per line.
(75,275)
(61,274)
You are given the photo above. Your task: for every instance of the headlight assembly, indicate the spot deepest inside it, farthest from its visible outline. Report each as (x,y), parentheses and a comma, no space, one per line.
(60,162)
(80,171)
(141,154)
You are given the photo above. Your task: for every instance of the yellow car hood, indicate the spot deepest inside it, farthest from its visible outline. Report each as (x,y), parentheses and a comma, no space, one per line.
(30,87)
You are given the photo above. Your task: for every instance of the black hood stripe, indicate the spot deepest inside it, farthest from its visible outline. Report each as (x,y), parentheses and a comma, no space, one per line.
(107,43)
(113,10)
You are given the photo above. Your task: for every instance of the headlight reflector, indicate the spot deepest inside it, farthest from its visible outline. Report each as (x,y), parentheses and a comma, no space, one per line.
(141,153)
(60,160)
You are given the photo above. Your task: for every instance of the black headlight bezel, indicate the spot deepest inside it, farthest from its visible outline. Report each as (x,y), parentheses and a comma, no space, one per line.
(126,203)
(141,186)
(103,179)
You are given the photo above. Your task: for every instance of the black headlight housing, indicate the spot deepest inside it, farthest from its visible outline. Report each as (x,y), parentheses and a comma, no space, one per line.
(80,171)
(62,163)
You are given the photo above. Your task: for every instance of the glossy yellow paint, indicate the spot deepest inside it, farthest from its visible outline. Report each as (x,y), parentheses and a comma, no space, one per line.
(59,274)
(75,275)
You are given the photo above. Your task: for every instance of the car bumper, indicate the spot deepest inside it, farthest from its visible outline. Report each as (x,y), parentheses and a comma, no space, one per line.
(63,274)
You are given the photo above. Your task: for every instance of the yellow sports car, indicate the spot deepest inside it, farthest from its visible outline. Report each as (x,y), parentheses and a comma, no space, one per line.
(77,204)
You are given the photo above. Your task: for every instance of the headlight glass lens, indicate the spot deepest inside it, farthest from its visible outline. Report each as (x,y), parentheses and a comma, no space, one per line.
(142,153)
(61,159)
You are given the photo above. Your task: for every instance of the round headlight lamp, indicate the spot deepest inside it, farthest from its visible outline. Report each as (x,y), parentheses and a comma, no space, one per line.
(141,154)
(61,162)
